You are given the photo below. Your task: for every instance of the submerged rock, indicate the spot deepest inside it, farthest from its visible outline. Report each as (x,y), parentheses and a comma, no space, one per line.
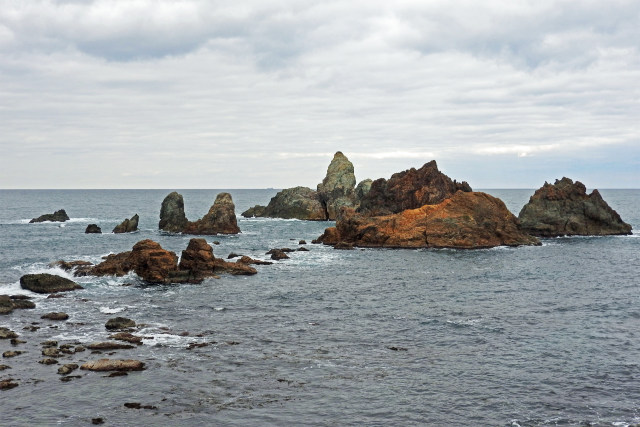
(337,187)
(113,365)
(291,203)
(93,229)
(128,225)
(410,189)
(465,221)
(565,209)
(45,283)
(57,216)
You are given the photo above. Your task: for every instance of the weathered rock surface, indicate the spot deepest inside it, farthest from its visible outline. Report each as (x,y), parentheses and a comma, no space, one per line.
(8,384)
(337,187)
(66,369)
(291,203)
(172,217)
(119,323)
(57,216)
(93,229)
(79,268)
(128,225)
(221,218)
(127,337)
(6,333)
(147,259)
(467,220)
(410,189)
(198,263)
(109,345)
(278,254)
(56,315)
(248,260)
(362,189)
(45,283)
(6,305)
(113,365)
(565,209)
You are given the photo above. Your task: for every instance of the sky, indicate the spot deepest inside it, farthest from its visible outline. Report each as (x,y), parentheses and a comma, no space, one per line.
(257,94)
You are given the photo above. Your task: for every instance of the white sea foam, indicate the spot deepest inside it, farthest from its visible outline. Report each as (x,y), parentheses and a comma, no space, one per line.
(107,310)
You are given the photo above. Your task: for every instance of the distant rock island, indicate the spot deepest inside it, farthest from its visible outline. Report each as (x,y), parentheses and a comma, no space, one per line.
(565,209)
(128,225)
(57,216)
(221,218)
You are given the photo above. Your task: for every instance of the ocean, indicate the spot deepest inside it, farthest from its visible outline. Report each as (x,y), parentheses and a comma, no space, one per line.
(527,336)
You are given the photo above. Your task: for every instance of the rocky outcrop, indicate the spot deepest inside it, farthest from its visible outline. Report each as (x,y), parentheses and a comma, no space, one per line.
(291,203)
(410,189)
(362,189)
(172,217)
(147,259)
(128,225)
(337,188)
(565,209)
(93,229)
(198,262)
(221,218)
(57,216)
(44,283)
(467,220)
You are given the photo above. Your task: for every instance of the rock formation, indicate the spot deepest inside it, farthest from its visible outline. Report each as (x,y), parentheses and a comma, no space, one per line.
(362,189)
(410,189)
(154,264)
(57,216)
(337,187)
(44,283)
(221,218)
(93,229)
(128,225)
(291,203)
(113,365)
(565,209)
(467,220)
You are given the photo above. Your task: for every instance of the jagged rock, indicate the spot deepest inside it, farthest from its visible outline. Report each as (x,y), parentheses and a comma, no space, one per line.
(79,268)
(55,316)
(362,189)
(337,187)
(93,229)
(147,259)
(172,217)
(221,219)
(410,189)
(128,225)
(565,209)
(291,203)
(198,260)
(57,216)
(466,221)
(113,365)
(119,323)
(45,283)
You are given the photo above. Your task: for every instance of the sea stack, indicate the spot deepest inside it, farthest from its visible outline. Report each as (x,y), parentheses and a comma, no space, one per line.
(128,225)
(172,217)
(337,188)
(565,209)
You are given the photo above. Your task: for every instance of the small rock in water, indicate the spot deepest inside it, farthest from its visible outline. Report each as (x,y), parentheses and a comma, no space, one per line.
(6,333)
(97,421)
(51,352)
(3,367)
(277,254)
(15,341)
(48,361)
(119,323)
(12,353)
(49,343)
(67,368)
(397,348)
(136,405)
(7,384)
(108,345)
(113,365)
(70,377)
(126,336)
(117,374)
(55,316)
(302,242)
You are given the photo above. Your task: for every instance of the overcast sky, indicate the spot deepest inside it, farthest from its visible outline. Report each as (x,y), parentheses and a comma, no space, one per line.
(255,94)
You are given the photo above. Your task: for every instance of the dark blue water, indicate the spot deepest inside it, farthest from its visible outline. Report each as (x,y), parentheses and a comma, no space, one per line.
(527,336)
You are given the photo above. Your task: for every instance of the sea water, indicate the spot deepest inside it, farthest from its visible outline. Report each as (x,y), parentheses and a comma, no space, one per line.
(526,336)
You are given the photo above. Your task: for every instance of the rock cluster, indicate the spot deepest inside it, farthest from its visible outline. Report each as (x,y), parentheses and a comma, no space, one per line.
(565,209)
(57,216)
(221,218)
(291,203)
(128,225)
(410,189)
(467,220)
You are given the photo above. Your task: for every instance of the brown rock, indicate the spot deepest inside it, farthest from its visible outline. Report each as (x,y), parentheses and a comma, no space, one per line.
(128,225)
(221,219)
(234,268)
(51,352)
(198,260)
(465,221)
(67,368)
(119,323)
(248,260)
(48,361)
(565,209)
(55,316)
(147,259)
(278,254)
(410,189)
(12,353)
(127,337)
(7,384)
(109,345)
(113,365)
(57,216)
(6,305)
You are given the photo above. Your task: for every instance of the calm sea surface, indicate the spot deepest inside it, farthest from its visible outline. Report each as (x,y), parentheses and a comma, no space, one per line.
(529,336)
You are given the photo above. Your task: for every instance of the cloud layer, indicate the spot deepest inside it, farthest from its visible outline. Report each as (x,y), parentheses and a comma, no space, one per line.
(201,94)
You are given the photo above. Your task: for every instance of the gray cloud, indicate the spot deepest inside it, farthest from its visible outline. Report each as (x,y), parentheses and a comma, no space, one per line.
(203,94)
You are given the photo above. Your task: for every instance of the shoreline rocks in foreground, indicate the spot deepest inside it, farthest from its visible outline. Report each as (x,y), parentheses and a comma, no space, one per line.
(565,209)
(57,216)
(221,218)
(467,220)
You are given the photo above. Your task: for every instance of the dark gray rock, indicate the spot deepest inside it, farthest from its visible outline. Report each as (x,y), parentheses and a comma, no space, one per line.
(119,323)
(337,187)
(45,283)
(57,216)
(128,225)
(291,203)
(93,229)
(172,217)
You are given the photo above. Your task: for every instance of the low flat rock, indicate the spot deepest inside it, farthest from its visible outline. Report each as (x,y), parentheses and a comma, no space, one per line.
(109,345)
(119,323)
(60,315)
(57,216)
(45,283)
(103,365)
(6,333)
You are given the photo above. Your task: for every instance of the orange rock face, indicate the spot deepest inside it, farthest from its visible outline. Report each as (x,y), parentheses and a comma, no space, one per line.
(468,220)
